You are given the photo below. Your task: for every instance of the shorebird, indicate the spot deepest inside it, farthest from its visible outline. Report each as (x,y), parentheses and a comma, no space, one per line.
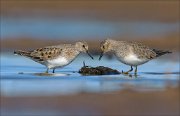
(56,56)
(130,53)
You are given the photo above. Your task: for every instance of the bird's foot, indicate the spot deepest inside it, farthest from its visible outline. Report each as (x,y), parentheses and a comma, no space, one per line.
(135,74)
(125,72)
(47,71)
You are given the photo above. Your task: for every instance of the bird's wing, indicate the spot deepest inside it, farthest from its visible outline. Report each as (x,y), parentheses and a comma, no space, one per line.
(160,52)
(143,51)
(46,53)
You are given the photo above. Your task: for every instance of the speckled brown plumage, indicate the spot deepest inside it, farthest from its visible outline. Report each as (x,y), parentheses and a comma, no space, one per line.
(55,56)
(43,54)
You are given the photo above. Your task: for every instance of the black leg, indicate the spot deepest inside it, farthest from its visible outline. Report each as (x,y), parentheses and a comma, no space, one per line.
(47,70)
(135,70)
(53,70)
(128,70)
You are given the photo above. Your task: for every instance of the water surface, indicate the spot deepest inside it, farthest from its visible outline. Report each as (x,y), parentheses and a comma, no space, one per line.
(23,77)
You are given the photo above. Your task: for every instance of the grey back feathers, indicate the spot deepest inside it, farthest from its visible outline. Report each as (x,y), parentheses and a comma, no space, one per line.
(123,48)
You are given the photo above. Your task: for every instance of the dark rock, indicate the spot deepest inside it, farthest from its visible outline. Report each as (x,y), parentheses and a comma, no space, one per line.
(100,70)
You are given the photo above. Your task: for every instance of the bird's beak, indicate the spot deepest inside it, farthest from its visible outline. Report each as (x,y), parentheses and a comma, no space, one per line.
(89,54)
(101,55)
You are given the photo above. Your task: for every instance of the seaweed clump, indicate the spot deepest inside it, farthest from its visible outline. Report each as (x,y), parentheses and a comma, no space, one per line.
(99,70)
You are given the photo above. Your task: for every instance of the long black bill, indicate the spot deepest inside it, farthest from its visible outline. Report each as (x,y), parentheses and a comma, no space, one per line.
(89,54)
(101,55)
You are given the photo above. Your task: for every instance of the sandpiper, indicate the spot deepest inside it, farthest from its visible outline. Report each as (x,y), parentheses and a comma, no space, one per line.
(130,53)
(56,56)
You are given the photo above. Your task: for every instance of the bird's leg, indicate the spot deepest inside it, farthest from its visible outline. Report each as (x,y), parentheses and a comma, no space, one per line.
(53,70)
(127,72)
(135,72)
(47,70)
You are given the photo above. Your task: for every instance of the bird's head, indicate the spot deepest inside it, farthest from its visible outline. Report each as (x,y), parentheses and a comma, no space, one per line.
(106,46)
(83,47)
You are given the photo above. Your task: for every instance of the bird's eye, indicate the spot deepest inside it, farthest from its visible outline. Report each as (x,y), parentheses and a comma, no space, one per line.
(83,46)
(103,47)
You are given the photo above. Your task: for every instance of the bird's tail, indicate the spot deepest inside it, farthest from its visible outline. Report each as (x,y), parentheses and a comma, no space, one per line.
(160,52)
(22,53)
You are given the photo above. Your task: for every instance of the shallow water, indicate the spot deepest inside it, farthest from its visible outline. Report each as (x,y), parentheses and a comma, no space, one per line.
(23,77)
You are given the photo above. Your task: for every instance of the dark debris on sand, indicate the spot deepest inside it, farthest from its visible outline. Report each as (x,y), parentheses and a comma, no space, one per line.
(99,70)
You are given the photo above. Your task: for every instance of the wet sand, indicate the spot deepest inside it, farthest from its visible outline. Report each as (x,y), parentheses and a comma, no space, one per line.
(170,42)
(126,102)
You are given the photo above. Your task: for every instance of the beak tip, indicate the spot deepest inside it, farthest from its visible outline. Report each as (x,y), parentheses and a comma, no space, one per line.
(89,55)
(100,56)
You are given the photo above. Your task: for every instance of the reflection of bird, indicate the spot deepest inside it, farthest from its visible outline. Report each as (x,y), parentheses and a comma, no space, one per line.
(56,56)
(130,53)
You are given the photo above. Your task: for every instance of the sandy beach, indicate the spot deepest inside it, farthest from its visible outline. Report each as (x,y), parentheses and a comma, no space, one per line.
(126,102)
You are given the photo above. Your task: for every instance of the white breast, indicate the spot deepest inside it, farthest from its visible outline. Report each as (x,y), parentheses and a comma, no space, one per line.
(133,60)
(58,62)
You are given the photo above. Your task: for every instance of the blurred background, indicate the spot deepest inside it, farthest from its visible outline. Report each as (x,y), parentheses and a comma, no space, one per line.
(30,24)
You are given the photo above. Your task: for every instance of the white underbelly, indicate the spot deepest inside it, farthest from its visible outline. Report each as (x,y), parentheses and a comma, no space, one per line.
(58,62)
(133,60)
